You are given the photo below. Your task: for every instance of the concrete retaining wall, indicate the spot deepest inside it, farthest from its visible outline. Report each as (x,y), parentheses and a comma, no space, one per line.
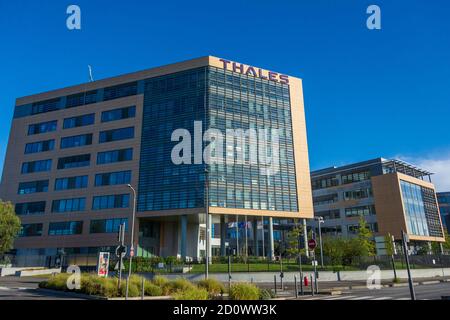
(27,273)
(323,275)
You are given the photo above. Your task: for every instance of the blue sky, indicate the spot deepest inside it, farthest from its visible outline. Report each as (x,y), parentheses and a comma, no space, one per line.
(368,93)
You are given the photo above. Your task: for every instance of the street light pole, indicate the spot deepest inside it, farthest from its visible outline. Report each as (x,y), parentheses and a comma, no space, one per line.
(132,238)
(410,281)
(320,221)
(207,224)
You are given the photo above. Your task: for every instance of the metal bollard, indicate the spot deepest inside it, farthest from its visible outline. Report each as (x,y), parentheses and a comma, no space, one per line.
(275,283)
(295,286)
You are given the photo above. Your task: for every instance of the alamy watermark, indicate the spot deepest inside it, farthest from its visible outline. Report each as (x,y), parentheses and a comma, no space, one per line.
(374,20)
(374,277)
(251,146)
(73,21)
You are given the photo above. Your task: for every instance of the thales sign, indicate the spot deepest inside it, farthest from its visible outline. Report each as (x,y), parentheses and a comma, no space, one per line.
(255,72)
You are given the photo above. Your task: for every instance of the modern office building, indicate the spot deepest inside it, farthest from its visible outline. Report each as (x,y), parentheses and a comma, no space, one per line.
(72,153)
(444,208)
(391,195)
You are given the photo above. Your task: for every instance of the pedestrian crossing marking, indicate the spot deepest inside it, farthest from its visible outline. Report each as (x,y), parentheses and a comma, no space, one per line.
(362,298)
(339,298)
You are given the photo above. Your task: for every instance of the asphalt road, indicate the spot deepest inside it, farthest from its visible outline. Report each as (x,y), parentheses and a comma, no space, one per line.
(423,292)
(13,288)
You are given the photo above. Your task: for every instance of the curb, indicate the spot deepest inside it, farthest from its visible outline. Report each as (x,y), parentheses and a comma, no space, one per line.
(93,297)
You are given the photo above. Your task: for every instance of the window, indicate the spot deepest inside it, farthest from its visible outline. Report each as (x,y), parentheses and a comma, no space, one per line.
(74,161)
(71,183)
(76,141)
(116,134)
(108,225)
(329,214)
(118,114)
(357,194)
(39,146)
(33,187)
(355,177)
(29,208)
(359,211)
(65,228)
(115,156)
(80,99)
(37,166)
(111,202)
(45,106)
(69,205)
(42,127)
(325,199)
(79,121)
(119,91)
(31,230)
(112,178)
(324,183)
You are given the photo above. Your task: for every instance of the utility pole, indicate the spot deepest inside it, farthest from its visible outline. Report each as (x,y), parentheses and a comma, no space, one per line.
(405,251)
(207,225)
(132,238)
(320,221)
(394,251)
(120,250)
(300,261)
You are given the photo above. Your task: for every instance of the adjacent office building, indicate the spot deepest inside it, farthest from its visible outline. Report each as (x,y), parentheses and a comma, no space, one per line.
(444,208)
(72,153)
(391,195)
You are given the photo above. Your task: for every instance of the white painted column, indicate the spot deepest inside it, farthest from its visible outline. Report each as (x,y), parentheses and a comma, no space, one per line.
(305,238)
(271,244)
(208,234)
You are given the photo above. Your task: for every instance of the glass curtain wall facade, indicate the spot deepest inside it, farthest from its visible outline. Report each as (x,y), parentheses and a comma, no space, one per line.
(222,100)
(422,216)
(238,101)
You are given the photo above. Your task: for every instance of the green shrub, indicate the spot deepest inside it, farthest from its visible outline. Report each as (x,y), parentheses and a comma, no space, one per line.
(244,291)
(133,289)
(109,288)
(266,294)
(191,293)
(91,284)
(213,286)
(179,284)
(56,282)
(160,281)
(152,290)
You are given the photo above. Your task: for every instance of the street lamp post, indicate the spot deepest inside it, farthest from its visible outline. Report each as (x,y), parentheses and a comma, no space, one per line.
(132,238)
(405,251)
(207,224)
(320,221)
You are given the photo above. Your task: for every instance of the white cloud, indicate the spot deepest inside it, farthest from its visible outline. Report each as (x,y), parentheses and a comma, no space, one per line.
(439,165)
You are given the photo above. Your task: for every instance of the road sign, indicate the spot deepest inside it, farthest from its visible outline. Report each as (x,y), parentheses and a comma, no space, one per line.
(121,251)
(312,244)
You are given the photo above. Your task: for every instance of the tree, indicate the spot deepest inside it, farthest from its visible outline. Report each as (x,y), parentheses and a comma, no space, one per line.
(435,246)
(9,226)
(446,244)
(365,239)
(292,239)
(333,248)
(389,246)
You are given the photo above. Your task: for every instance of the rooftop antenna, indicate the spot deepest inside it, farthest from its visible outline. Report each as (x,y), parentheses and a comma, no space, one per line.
(91,78)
